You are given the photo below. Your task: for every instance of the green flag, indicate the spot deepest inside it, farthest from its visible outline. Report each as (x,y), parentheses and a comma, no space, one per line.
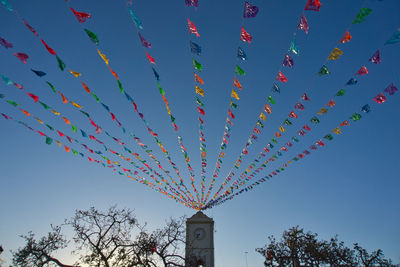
(44,105)
(12,103)
(120,86)
(361,15)
(74,128)
(61,64)
(341,92)
(323,71)
(356,117)
(270,100)
(51,128)
(197,65)
(52,87)
(161,90)
(49,140)
(239,71)
(92,36)
(96,97)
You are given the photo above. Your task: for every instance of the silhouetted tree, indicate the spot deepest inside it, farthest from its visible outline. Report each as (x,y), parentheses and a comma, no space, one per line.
(104,239)
(297,248)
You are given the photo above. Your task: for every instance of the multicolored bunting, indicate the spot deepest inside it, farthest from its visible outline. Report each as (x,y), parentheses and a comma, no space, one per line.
(250,11)
(117,168)
(193,30)
(196,50)
(153,174)
(144,147)
(230,193)
(324,70)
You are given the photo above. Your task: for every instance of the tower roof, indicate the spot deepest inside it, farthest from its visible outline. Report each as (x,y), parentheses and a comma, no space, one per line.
(199,217)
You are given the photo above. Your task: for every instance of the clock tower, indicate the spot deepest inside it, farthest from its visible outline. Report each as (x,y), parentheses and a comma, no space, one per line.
(199,241)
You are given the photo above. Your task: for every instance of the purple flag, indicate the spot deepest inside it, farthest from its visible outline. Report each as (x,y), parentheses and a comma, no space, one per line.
(194,3)
(144,42)
(376,58)
(303,24)
(391,89)
(299,106)
(250,11)
(5,43)
(288,61)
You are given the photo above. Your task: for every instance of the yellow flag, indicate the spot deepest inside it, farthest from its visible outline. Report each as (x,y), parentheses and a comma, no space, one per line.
(75,104)
(322,111)
(282,129)
(55,112)
(262,116)
(76,74)
(41,122)
(337,130)
(168,109)
(103,56)
(335,54)
(59,144)
(234,95)
(199,91)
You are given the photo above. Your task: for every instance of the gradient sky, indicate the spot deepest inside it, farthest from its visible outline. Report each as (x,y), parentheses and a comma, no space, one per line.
(349,188)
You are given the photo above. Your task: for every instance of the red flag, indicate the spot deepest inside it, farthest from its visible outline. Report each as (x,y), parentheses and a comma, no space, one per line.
(80,16)
(346,37)
(267,109)
(192,28)
(198,79)
(281,77)
(201,111)
(64,99)
(22,56)
(362,71)
(245,36)
(230,114)
(34,97)
(293,115)
(151,60)
(51,51)
(237,84)
(313,5)
(86,87)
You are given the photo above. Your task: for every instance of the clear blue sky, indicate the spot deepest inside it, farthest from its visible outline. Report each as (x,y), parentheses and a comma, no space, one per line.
(350,188)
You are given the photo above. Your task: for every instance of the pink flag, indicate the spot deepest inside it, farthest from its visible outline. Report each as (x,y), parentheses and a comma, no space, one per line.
(192,28)
(245,36)
(22,56)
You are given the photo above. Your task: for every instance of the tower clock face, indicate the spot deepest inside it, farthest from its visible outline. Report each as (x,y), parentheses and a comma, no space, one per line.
(199,233)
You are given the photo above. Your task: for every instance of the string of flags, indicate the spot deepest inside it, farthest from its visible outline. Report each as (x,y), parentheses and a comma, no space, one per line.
(288,61)
(97,127)
(146,45)
(250,11)
(93,37)
(153,174)
(196,51)
(249,172)
(120,170)
(298,107)
(380,98)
